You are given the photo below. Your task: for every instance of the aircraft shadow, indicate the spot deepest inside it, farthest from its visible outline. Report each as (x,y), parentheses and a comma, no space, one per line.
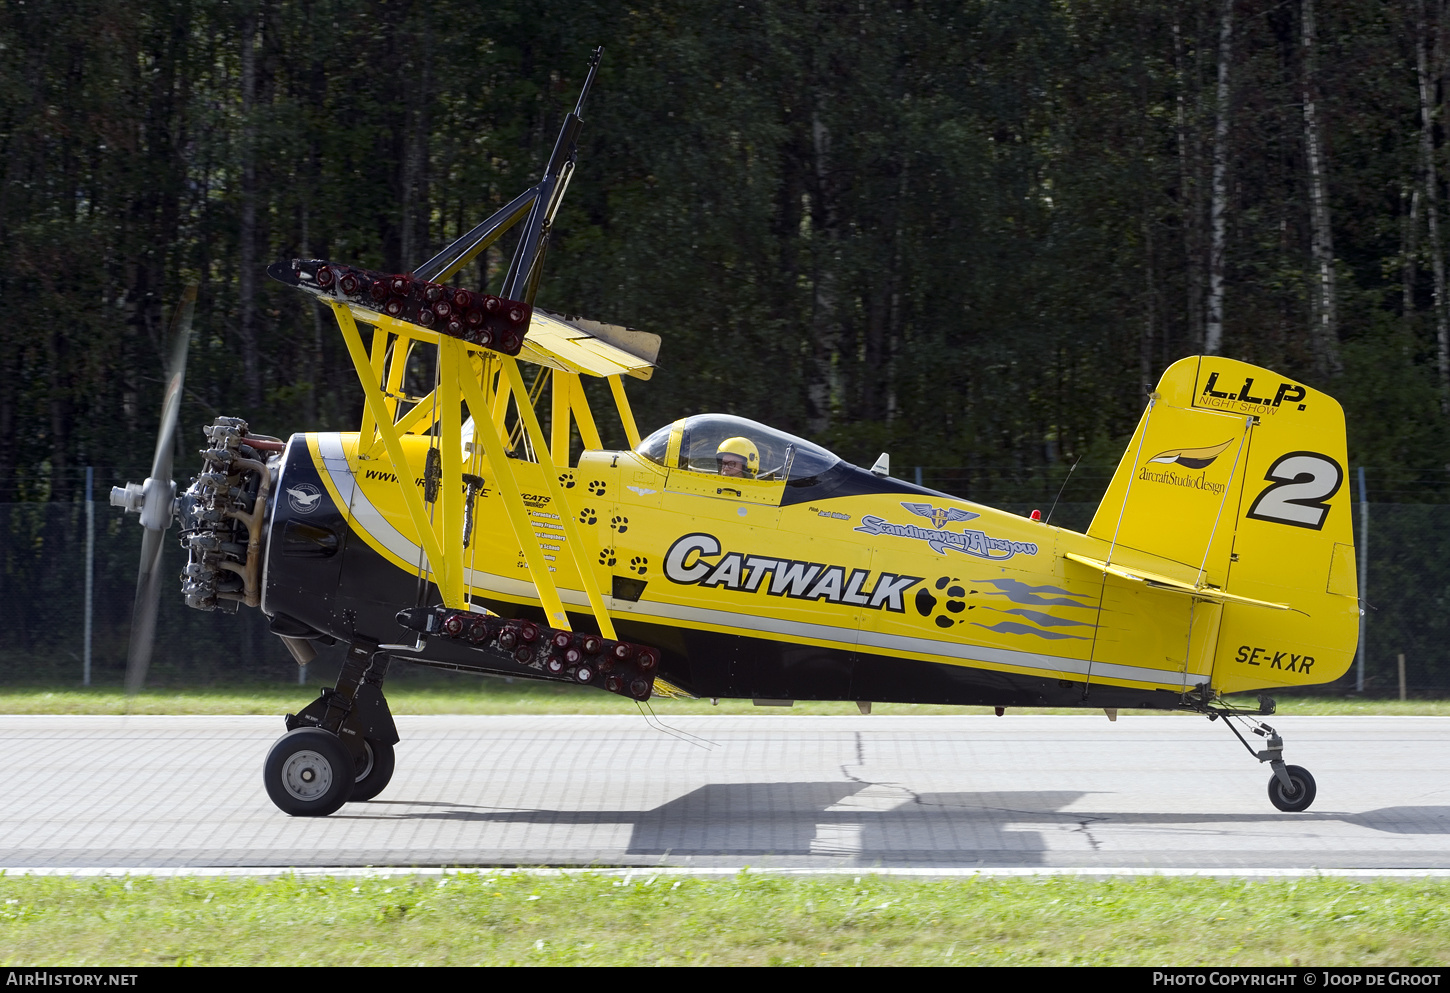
(853,821)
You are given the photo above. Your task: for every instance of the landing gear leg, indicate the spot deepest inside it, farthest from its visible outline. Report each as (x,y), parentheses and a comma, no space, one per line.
(1291,787)
(356,718)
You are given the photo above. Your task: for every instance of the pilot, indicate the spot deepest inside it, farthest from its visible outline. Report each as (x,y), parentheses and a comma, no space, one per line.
(738,457)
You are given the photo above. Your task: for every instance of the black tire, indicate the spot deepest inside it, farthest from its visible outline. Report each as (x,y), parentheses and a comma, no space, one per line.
(1303,794)
(374,771)
(308,773)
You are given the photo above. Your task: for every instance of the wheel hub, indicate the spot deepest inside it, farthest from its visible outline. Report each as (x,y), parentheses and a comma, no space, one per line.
(306,775)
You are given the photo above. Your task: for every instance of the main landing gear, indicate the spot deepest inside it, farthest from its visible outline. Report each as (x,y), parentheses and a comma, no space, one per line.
(1291,787)
(340,747)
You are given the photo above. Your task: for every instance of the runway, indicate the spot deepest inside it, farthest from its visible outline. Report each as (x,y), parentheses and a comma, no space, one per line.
(1021,791)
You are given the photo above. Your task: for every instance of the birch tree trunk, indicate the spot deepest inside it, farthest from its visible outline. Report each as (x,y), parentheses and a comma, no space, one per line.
(247,235)
(824,387)
(1324,332)
(1150,317)
(1411,241)
(1432,199)
(1149,335)
(1191,184)
(415,208)
(1218,211)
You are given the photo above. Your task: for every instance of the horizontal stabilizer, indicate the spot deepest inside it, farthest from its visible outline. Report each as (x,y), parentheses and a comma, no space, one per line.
(1157,582)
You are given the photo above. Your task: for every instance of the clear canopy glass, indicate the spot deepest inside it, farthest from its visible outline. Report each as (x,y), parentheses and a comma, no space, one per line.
(692,443)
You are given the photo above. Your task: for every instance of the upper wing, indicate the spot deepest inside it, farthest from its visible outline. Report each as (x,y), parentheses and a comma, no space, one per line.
(574,344)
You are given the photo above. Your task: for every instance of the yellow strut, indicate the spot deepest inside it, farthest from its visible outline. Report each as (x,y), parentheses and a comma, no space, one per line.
(439,563)
(508,489)
(551,480)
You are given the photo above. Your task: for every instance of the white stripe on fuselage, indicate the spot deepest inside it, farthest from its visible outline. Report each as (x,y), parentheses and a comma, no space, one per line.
(370,520)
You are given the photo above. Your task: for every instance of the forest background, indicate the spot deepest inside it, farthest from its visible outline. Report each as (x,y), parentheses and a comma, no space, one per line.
(971,233)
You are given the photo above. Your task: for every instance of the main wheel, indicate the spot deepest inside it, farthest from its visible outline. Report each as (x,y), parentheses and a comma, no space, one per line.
(1300,798)
(309,773)
(374,771)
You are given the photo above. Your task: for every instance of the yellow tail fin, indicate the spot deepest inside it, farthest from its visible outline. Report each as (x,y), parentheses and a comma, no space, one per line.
(1237,476)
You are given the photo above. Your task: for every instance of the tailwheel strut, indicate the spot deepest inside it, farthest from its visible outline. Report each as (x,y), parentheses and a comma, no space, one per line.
(1291,787)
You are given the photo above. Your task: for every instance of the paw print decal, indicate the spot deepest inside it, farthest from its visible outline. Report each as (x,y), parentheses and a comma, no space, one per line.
(566,480)
(639,564)
(596,486)
(587,516)
(606,557)
(620,524)
(956,603)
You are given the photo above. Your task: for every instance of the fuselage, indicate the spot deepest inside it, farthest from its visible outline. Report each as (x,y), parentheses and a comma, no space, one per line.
(828,583)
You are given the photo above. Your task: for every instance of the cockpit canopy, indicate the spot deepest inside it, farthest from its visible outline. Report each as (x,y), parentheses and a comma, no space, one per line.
(692,443)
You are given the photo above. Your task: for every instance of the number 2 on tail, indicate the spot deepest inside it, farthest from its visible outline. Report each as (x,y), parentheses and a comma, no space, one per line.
(1301,485)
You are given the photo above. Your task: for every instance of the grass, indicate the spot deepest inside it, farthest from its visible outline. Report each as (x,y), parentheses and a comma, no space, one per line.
(473,695)
(748,919)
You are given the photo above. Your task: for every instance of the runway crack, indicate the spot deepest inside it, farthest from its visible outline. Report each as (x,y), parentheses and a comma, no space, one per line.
(861,762)
(1085,826)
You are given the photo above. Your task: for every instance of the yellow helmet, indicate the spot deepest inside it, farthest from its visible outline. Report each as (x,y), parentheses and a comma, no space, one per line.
(743,447)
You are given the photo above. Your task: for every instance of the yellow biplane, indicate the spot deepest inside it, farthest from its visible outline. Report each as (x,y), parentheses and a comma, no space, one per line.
(718,557)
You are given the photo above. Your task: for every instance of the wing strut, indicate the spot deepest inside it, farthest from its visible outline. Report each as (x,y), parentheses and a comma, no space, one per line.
(460,383)
(493,447)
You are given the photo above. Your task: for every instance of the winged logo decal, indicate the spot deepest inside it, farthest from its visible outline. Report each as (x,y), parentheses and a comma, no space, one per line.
(304,497)
(939,516)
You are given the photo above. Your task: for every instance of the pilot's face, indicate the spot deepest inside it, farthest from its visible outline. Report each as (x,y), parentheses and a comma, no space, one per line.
(732,465)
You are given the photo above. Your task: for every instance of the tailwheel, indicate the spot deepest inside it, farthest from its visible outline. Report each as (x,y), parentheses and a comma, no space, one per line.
(374,770)
(1296,799)
(1291,788)
(309,773)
